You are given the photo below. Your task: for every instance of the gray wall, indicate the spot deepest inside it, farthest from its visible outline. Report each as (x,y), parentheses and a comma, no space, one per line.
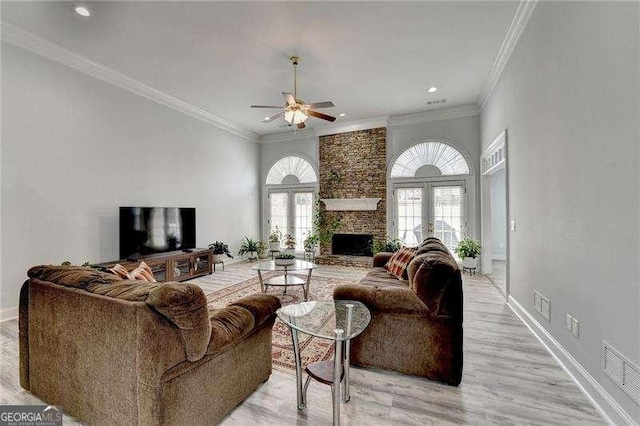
(498,215)
(569,97)
(464,134)
(74,149)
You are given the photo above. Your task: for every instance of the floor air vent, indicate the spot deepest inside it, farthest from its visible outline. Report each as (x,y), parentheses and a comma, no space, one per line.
(621,370)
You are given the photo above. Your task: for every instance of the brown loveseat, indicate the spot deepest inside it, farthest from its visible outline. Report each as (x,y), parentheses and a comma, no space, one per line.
(113,351)
(416,325)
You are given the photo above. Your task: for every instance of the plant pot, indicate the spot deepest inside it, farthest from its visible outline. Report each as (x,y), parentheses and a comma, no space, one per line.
(469,262)
(263,255)
(252,255)
(284,262)
(217,258)
(274,245)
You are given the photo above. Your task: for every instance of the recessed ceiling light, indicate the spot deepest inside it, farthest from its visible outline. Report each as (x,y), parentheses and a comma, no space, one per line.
(432,89)
(342,114)
(267,118)
(82,11)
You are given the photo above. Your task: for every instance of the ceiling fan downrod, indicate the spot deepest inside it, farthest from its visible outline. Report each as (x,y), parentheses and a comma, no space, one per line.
(295,61)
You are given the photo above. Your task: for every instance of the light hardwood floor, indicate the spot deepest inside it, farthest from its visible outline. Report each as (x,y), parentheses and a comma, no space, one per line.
(508,376)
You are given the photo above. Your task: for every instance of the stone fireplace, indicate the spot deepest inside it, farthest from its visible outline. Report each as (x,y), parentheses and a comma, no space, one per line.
(353,167)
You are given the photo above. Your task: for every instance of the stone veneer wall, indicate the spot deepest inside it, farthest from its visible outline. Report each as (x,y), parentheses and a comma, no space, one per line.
(359,160)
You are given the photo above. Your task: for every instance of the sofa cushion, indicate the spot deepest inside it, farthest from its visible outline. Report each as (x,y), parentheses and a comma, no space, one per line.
(134,291)
(432,244)
(71,276)
(185,305)
(380,277)
(435,278)
(143,272)
(397,264)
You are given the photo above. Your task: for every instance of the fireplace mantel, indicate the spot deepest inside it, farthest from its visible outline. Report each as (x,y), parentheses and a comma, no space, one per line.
(351,203)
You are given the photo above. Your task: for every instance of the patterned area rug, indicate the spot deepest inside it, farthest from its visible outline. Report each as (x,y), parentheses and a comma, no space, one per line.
(312,349)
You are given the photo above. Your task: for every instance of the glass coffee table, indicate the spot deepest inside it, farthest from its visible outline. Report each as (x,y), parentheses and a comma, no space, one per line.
(285,279)
(338,320)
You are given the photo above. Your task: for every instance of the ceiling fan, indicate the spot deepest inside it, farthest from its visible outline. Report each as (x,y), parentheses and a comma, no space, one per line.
(296,111)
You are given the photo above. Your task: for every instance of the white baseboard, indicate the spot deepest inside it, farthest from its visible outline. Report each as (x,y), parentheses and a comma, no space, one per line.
(599,397)
(8,313)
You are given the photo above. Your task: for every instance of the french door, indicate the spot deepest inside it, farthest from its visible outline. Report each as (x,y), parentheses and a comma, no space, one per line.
(292,212)
(430,209)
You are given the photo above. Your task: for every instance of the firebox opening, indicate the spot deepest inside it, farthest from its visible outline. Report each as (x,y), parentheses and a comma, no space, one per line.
(352,244)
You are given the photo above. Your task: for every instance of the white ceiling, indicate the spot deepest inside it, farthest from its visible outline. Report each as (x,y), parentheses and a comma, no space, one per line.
(370,58)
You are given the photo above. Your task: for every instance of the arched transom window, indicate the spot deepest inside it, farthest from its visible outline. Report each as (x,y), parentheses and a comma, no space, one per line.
(291,170)
(430,159)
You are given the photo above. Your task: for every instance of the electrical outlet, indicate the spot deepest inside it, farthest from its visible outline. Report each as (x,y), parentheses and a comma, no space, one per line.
(573,326)
(542,305)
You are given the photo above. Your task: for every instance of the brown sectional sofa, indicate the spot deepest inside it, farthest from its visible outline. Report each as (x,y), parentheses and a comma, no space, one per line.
(131,352)
(416,325)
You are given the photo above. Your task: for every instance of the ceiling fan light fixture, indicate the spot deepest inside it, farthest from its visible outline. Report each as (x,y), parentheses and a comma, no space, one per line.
(295,116)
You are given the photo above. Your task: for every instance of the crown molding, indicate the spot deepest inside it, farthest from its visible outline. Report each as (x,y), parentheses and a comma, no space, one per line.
(14,35)
(518,24)
(352,126)
(435,115)
(288,136)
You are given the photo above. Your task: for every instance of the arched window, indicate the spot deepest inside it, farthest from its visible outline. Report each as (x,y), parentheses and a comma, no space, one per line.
(291,198)
(431,158)
(291,170)
(430,203)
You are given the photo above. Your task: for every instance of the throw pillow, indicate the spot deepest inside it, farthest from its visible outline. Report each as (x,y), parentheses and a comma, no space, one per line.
(397,264)
(120,271)
(143,273)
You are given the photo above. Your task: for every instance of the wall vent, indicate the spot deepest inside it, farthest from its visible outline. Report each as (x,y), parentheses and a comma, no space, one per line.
(622,371)
(436,101)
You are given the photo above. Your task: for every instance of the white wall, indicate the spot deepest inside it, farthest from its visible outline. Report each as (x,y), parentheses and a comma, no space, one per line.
(498,215)
(569,97)
(74,149)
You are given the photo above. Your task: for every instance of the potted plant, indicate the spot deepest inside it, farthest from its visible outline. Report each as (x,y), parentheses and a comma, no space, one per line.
(262,249)
(274,239)
(249,247)
(285,259)
(290,244)
(387,245)
(468,250)
(219,249)
(311,242)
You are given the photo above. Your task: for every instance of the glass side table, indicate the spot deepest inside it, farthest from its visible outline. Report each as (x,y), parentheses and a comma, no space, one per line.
(339,320)
(286,279)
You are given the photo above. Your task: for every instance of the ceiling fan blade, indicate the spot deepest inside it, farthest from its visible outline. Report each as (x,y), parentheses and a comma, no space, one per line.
(316,105)
(320,115)
(301,126)
(265,106)
(290,99)
(270,119)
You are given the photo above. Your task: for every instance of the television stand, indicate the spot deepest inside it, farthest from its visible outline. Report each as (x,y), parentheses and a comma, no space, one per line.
(176,265)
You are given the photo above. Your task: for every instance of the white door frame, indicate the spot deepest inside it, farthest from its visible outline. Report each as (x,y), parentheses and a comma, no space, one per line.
(494,158)
(427,206)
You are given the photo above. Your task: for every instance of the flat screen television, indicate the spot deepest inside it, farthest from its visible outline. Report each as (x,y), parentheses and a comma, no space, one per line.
(150,230)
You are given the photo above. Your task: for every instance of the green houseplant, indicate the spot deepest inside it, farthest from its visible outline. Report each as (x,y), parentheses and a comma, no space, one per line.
(311,242)
(285,259)
(262,252)
(387,245)
(249,247)
(468,250)
(219,249)
(274,239)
